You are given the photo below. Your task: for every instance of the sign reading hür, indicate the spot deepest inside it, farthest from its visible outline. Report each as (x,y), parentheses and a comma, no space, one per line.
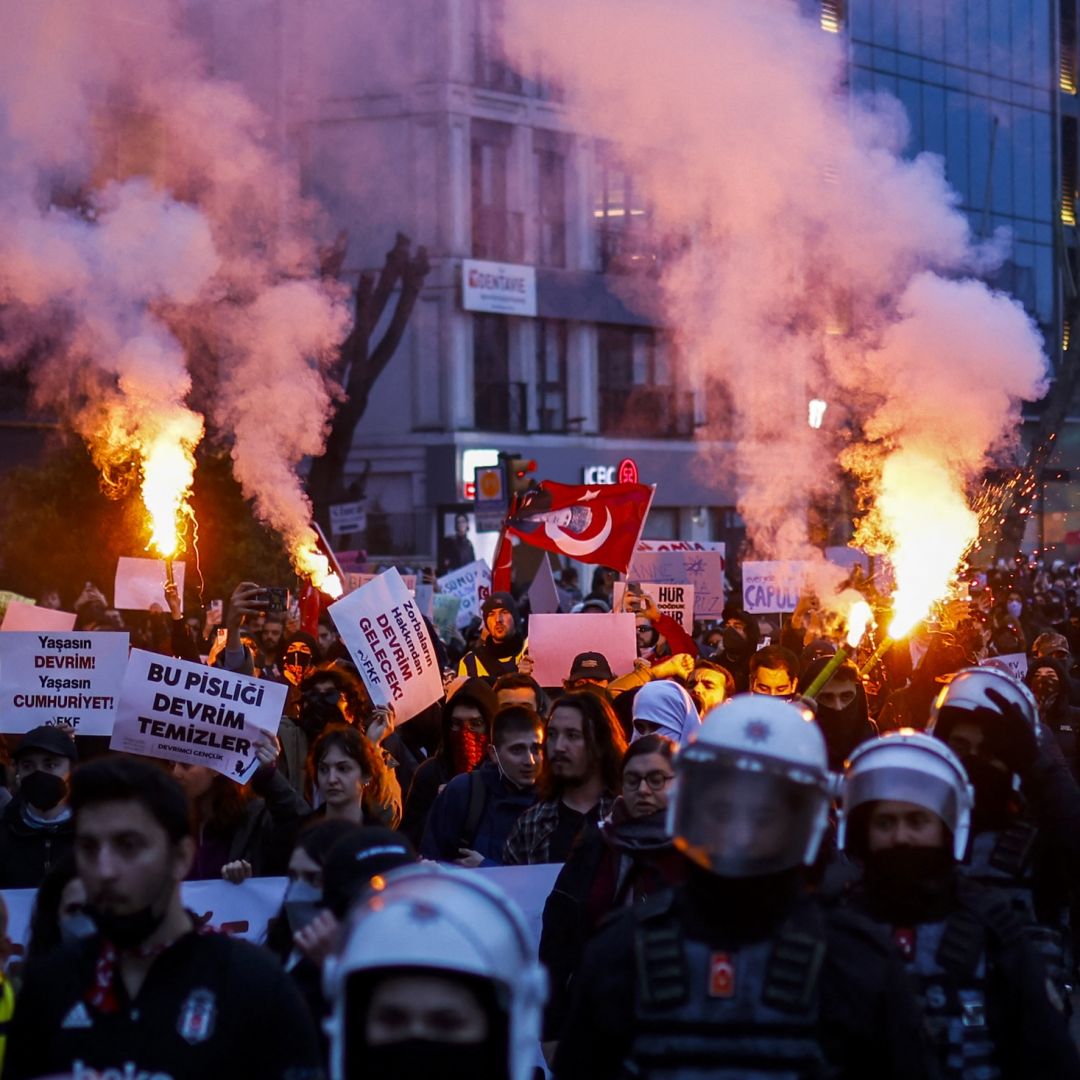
(501,288)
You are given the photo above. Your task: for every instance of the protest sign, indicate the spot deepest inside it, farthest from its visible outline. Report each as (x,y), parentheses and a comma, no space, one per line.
(444,610)
(470,584)
(699,563)
(674,600)
(529,888)
(358,581)
(554,641)
(543,595)
(347,518)
(385,634)
(20,616)
(1016,662)
(7,598)
(140,583)
(770,587)
(198,715)
(54,678)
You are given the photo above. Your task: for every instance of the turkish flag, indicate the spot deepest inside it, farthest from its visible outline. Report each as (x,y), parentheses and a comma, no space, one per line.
(593,524)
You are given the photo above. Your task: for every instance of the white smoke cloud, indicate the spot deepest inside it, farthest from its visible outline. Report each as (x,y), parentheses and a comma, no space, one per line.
(818,263)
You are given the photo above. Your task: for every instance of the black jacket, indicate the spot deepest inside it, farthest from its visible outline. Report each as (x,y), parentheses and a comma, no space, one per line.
(28,849)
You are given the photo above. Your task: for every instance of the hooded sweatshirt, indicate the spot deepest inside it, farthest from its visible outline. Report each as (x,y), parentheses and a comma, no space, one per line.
(1059,715)
(844,729)
(667,704)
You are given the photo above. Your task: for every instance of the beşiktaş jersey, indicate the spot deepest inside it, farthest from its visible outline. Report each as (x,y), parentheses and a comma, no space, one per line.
(210,1007)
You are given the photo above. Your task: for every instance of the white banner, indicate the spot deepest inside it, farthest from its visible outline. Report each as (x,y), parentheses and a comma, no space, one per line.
(502,288)
(1016,662)
(684,562)
(529,888)
(471,584)
(72,679)
(347,518)
(770,587)
(178,711)
(20,616)
(674,600)
(385,634)
(140,583)
(554,641)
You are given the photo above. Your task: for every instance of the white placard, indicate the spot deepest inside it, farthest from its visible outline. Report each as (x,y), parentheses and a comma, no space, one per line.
(178,711)
(54,678)
(770,587)
(140,583)
(1017,663)
(502,288)
(471,584)
(347,518)
(529,888)
(554,641)
(674,600)
(385,634)
(20,616)
(241,911)
(699,563)
(358,581)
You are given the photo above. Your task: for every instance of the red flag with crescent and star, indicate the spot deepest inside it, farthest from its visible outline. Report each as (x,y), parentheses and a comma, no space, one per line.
(597,523)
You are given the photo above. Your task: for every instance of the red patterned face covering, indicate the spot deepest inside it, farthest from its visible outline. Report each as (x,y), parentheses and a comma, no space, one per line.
(467,749)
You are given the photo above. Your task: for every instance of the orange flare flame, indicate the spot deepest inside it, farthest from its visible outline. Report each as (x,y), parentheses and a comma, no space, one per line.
(859,618)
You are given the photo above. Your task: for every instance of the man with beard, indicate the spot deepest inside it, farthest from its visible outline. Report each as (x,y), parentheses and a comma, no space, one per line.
(739,972)
(628,857)
(710,685)
(150,994)
(501,645)
(476,811)
(841,711)
(990,1009)
(579,776)
(991,722)
(35,830)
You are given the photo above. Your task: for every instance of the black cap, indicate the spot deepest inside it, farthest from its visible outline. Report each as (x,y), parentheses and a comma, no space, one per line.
(50,739)
(499,600)
(590,665)
(356,859)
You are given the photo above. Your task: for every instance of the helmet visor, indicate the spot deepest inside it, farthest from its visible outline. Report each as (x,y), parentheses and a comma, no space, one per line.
(739,817)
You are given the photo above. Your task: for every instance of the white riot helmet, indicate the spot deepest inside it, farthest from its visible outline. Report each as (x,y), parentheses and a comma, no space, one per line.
(443,920)
(751,791)
(970,696)
(912,767)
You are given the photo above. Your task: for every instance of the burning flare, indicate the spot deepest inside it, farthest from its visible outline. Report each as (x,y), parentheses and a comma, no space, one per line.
(927,526)
(168,470)
(859,618)
(311,562)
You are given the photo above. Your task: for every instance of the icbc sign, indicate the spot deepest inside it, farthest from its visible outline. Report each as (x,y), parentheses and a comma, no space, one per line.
(626,472)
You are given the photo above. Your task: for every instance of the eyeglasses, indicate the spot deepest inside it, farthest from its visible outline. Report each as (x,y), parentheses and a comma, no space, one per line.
(656,780)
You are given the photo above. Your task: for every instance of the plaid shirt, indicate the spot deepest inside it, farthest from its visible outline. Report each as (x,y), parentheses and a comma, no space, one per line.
(530,839)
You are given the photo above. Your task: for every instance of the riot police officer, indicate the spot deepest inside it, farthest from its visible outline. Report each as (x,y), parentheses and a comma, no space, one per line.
(990,1008)
(739,972)
(437,978)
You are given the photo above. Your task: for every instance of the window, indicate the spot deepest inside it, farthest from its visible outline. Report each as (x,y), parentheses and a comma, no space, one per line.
(1069,151)
(623,235)
(490,69)
(550,158)
(551,350)
(497,233)
(499,402)
(832,15)
(635,396)
(1067,73)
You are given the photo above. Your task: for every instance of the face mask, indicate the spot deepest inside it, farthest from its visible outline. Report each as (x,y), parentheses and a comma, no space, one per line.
(302,903)
(127,931)
(77,927)
(420,1059)
(734,643)
(467,749)
(993,791)
(1014,607)
(908,882)
(503,774)
(318,710)
(43,790)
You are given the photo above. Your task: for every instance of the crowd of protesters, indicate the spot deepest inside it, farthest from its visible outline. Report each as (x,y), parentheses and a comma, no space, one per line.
(877,882)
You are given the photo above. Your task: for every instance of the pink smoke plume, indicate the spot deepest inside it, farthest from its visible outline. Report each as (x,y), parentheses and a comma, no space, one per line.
(813,261)
(156,259)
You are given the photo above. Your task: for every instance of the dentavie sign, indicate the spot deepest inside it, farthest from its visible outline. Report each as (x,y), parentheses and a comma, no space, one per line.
(195,714)
(501,288)
(53,678)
